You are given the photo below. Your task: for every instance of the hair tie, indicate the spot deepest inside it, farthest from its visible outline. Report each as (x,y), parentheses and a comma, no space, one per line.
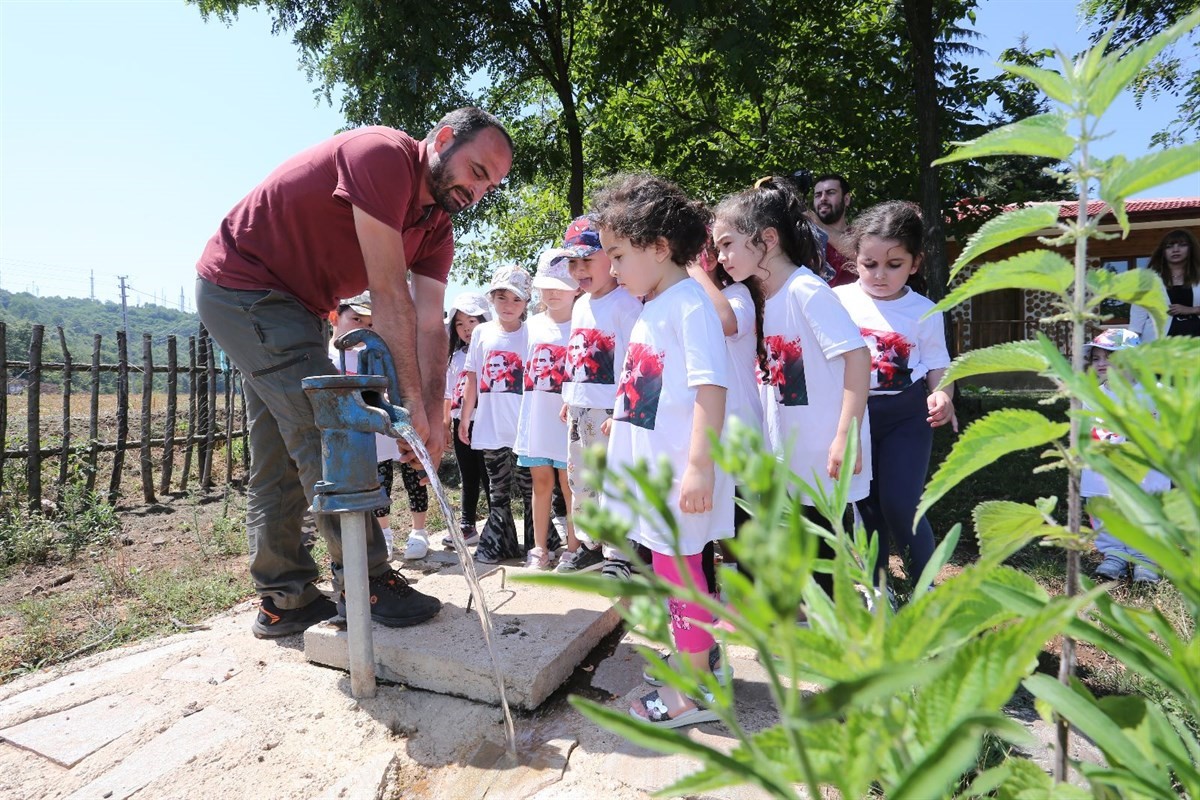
(759,183)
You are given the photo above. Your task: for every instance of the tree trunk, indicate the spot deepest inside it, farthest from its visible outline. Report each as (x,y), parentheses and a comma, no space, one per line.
(921,26)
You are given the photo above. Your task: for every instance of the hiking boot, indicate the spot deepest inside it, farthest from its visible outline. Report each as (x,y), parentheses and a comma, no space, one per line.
(273,621)
(396,604)
(1112,568)
(585,559)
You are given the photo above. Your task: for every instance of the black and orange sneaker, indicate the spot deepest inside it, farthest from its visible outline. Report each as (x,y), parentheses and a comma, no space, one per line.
(396,604)
(272,621)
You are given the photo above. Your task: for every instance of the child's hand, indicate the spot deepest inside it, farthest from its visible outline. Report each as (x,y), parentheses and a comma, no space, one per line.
(941,411)
(836,451)
(696,490)
(464,433)
(606,426)
(562,413)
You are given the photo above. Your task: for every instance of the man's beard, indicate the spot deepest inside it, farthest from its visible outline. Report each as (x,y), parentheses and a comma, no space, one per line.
(834,214)
(449,197)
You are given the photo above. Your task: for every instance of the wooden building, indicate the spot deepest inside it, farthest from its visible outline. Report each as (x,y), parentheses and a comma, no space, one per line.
(1016,314)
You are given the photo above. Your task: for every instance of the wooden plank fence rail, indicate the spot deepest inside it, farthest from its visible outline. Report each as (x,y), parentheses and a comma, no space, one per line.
(208,379)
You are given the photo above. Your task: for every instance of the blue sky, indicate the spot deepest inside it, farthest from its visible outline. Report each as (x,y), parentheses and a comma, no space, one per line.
(128,130)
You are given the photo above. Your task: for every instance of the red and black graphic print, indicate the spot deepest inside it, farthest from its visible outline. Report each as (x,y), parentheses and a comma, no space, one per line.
(456,394)
(889,358)
(547,368)
(590,356)
(641,386)
(503,371)
(785,370)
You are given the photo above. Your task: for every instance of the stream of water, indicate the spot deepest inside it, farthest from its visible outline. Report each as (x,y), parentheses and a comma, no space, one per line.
(468,567)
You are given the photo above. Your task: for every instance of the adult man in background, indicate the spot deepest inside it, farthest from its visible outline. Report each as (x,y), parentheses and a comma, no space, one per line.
(831,200)
(367,209)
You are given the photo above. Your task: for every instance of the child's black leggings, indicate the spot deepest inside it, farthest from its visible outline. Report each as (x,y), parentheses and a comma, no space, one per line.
(474,476)
(901,441)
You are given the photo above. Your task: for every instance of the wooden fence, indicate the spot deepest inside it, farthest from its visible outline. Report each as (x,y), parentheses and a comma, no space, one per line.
(209,423)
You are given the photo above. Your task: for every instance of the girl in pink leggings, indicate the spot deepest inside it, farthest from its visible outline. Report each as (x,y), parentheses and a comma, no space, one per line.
(670,403)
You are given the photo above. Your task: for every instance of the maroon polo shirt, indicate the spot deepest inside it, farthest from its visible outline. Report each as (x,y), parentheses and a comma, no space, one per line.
(295,231)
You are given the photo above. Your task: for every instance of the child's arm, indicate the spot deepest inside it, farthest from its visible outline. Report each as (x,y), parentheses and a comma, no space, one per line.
(468,409)
(699,477)
(941,403)
(446,416)
(856,384)
(720,302)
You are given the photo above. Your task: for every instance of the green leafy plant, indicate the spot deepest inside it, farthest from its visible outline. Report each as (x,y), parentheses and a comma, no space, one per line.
(1155,397)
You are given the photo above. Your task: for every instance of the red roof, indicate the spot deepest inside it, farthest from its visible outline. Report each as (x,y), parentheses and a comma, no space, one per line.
(1070,210)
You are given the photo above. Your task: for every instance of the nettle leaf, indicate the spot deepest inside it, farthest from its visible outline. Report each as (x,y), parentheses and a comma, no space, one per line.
(1024,356)
(1054,85)
(1004,527)
(1121,68)
(1006,228)
(1124,178)
(998,434)
(1138,286)
(1042,135)
(1035,270)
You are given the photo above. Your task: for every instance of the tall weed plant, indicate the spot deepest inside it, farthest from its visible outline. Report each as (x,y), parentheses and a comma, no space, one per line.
(907,703)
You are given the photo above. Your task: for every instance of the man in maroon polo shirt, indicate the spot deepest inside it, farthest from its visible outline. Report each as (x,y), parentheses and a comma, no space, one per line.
(368,209)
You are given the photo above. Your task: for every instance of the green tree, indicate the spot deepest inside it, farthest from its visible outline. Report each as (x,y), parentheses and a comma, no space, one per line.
(1176,71)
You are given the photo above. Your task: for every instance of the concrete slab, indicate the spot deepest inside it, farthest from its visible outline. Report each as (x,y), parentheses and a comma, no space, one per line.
(365,782)
(490,772)
(213,667)
(70,736)
(193,735)
(70,689)
(542,634)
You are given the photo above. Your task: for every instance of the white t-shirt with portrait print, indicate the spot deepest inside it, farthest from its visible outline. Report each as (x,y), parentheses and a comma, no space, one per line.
(456,381)
(497,357)
(805,332)
(596,347)
(540,431)
(386,448)
(903,346)
(675,347)
(743,400)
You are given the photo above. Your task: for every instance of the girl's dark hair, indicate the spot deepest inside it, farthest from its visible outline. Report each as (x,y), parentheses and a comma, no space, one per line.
(642,208)
(898,220)
(456,342)
(1158,260)
(772,203)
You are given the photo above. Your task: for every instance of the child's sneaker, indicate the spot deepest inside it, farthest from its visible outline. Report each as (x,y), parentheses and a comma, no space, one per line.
(470,538)
(537,558)
(1143,574)
(1112,568)
(585,559)
(616,568)
(417,545)
(273,621)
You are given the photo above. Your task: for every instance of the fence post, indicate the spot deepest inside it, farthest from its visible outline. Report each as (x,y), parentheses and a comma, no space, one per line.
(3,400)
(168,460)
(227,370)
(114,486)
(66,415)
(210,433)
(33,464)
(191,428)
(94,419)
(147,418)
